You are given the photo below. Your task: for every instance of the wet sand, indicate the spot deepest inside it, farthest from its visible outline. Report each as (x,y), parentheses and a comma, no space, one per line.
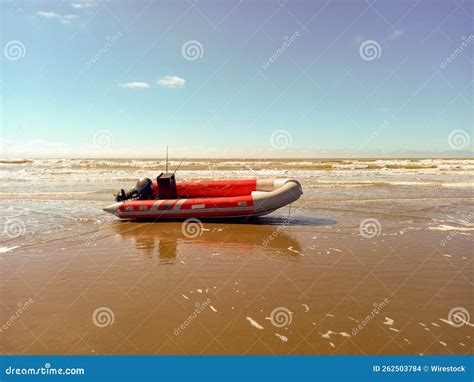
(316,281)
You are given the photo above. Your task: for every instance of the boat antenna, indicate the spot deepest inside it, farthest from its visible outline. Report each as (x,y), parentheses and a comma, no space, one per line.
(166,160)
(177,168)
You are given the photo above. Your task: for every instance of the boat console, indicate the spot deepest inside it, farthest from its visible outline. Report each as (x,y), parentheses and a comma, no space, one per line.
(166,186)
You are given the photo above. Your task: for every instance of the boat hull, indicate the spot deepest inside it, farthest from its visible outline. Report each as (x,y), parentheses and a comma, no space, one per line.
(214,199)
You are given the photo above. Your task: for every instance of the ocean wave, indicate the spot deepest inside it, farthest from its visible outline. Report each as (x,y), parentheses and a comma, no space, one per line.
(15,161)
(445,227)
(16,193)
(374,183)
(265,163)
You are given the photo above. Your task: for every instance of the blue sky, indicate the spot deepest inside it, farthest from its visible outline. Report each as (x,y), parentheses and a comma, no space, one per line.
(220,78)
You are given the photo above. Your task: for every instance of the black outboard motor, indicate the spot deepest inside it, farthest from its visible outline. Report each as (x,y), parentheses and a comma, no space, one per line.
(143,190)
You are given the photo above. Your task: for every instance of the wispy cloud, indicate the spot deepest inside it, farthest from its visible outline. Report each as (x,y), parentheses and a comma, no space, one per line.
(172,82)
(396,34)
(84,4)
(135,85)
(48,15)
(65,19)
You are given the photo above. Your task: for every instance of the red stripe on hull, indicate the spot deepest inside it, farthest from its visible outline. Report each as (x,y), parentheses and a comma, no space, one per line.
(136,207)
(185,215)
(245,201)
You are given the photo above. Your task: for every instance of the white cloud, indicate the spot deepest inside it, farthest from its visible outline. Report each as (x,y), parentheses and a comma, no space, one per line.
(48,15)
(135,85)
(84,4)
(172,82)
(396,33)
(65,19)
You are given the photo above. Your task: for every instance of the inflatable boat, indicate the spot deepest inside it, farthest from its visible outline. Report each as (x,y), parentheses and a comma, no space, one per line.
(163,198)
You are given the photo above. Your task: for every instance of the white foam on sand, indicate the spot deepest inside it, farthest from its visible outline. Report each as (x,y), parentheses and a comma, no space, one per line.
(254,323)
(388,321)
(283,338)
(327,334)
(7,249)
(330,332)
(447,322)
(455,325)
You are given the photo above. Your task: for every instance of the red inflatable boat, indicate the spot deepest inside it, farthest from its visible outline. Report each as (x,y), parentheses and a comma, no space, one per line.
(166,199)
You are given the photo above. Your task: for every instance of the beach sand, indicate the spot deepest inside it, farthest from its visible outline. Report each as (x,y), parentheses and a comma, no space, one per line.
(375,258)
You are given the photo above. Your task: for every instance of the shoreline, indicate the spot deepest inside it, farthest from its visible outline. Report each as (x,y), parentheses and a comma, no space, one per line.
(344,248)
